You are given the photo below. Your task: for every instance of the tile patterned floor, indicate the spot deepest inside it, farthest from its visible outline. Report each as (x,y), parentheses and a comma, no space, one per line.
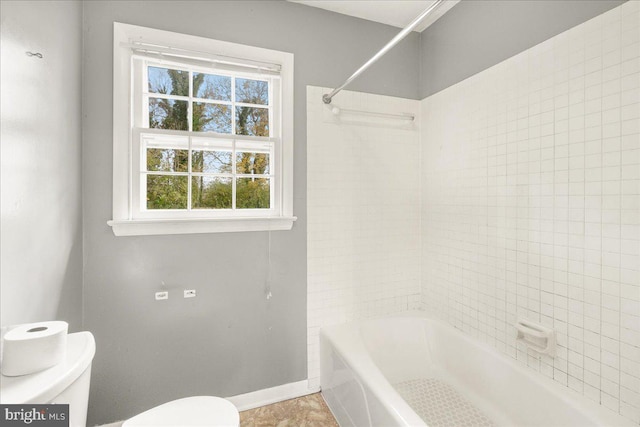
(306,411)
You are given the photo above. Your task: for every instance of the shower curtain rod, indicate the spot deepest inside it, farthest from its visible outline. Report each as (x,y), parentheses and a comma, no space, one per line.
(326,98)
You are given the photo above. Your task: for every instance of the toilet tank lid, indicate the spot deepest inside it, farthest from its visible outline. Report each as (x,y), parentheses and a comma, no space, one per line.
(201,411)
(43,386)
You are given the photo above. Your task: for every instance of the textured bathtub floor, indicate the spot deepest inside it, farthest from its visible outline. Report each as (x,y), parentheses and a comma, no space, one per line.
(306,411)
(439,404)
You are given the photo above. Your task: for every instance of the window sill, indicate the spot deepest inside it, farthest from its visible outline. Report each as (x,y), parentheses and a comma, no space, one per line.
(151,227)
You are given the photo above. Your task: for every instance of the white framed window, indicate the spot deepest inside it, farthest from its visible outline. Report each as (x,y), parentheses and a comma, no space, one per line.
(203,135)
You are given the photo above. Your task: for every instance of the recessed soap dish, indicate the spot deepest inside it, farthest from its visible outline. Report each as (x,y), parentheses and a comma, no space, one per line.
(538,338)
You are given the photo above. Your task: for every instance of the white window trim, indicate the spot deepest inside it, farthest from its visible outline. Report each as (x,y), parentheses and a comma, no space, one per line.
(124,223)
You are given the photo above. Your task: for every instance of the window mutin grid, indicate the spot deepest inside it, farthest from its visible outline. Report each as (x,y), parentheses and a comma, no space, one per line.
(265,185)
(202,144)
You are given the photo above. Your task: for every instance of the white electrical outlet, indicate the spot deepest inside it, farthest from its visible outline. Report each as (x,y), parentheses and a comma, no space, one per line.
(162,295)
(189,293)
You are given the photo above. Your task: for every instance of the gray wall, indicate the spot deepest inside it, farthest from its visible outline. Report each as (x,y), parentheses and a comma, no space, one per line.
(475,35)
(230,339)
(40,231)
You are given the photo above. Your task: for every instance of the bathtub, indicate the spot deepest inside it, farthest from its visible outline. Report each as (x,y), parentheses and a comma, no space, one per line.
(414,371)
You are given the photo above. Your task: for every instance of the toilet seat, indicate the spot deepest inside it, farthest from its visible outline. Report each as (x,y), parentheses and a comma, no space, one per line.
(197,411)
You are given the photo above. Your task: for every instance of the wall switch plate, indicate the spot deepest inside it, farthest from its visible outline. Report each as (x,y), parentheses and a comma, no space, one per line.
(162,295)
(189,293)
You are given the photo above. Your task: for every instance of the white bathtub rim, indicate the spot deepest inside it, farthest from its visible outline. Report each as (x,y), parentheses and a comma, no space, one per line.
(392,401)
(365,367)
(353,353)
(594,410)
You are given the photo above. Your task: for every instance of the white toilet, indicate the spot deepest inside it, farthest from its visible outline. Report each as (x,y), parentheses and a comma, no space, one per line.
(68,382)
(197,411)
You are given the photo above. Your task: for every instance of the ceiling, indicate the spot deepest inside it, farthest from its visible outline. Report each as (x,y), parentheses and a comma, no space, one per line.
(391,12)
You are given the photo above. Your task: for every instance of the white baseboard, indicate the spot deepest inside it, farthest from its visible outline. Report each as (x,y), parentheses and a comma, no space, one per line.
(263,397)
(271,395)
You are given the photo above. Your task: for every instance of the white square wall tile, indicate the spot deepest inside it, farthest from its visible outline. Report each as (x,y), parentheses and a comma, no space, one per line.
(558,192)
(362,247)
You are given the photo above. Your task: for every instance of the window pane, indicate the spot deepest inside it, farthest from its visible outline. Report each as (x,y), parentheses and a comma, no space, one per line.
(211,161)
(253,163)
(252,121)
(252,193)
(211,118)
(210,86)
(168,114)
(252,91)
(211,193)
(167,160)
(166,192)
(167,81)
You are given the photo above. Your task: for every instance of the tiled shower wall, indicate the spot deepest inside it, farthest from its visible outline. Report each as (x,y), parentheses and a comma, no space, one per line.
(531,205)
(363,198)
